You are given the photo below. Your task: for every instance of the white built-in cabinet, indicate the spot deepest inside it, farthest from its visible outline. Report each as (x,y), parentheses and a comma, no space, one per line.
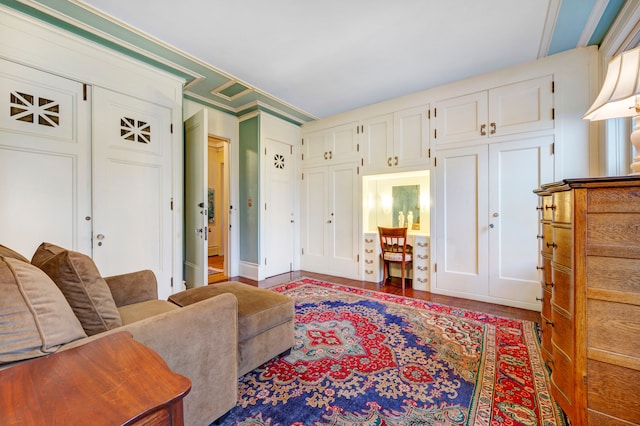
(330,219)
(334,145)
(396,140)
(505,110)
(485,240)
(420,264)
(488,141)
(89,159)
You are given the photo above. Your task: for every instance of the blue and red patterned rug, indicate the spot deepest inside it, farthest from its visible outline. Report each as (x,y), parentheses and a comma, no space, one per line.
(366,358)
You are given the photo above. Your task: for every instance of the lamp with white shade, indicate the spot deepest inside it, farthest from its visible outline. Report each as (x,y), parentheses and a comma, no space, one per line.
(619,96)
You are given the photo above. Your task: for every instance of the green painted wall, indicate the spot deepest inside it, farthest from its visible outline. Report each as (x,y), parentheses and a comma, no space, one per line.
(249,180)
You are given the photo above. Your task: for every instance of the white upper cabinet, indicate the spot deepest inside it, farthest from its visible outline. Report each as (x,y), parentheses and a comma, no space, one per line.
(331,146)
(411,137)
(400,139)
(515,108)
(377,141)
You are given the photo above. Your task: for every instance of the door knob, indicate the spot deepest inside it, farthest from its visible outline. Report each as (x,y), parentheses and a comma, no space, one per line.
(100,237)
(491,225)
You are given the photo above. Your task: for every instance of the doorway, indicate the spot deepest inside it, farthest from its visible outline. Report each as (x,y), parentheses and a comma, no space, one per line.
(218,200)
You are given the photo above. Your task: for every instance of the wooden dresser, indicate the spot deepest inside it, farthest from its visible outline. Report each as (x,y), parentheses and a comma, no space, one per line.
(590,274)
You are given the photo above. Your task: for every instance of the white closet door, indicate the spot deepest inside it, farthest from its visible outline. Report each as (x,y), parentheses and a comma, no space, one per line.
(462,221)
(315,215)
(343,220)
(45,175)
(516,169)
(132,186)
(279,212)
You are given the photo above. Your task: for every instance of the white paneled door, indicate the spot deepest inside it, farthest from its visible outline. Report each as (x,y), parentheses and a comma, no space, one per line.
(516,169)
(45,163)
(132,152)
(462,220)
(487,220)
(196,199)
(279,211)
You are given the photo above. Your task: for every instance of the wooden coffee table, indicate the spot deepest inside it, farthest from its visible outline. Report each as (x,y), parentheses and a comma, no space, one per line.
(113,380)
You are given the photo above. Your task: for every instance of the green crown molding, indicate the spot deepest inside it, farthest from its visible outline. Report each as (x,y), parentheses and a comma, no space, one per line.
(205,84)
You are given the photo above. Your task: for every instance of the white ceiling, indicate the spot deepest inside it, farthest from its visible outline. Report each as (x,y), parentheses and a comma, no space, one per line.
(336,55)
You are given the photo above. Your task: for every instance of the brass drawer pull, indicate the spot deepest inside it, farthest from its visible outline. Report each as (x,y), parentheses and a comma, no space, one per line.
(551,207)
(549,322)
(539,299)
(368,251)
(548,285)
(422,244)
(540,268)
(422,268)
(421,256)
(552,245)
(540,237)
(368,261)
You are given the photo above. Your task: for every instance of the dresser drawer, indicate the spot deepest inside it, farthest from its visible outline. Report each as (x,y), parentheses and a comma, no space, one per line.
(547,207)
(562,380)
(547,238)
(613,274)
(613,390)
(546,304)
(562,291)
(614,327)
(609,233)
(563,246)
(563,202)
(613,200)
(547,271)
(562,337)
(547,331)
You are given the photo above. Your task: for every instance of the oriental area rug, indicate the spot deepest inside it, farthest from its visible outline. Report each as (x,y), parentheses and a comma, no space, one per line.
(366,358)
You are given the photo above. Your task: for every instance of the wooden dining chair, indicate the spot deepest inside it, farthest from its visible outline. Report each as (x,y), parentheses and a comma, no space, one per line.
(393,243)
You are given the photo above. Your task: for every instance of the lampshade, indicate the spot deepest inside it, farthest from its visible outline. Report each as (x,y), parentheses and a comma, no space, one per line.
(617,97)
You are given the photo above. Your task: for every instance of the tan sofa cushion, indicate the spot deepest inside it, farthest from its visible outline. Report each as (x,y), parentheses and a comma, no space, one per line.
(7,252)
(35,318)
(259,310)
(79,279)
(143,310)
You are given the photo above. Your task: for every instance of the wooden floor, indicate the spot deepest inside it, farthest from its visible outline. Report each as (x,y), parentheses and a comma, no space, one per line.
(394,287)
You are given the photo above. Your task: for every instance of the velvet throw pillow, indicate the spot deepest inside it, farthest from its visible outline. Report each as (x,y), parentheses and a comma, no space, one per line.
(7,252)
(79,279)
(35,318)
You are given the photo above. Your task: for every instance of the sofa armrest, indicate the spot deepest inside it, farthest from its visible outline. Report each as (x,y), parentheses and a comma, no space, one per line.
(199,341)
(133,287)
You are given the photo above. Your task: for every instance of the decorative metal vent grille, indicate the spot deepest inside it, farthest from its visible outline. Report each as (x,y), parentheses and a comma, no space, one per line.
(32,109)
(135,130)
(278,161)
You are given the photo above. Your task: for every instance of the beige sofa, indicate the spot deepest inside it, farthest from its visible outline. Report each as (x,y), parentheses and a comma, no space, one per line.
(198,341)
